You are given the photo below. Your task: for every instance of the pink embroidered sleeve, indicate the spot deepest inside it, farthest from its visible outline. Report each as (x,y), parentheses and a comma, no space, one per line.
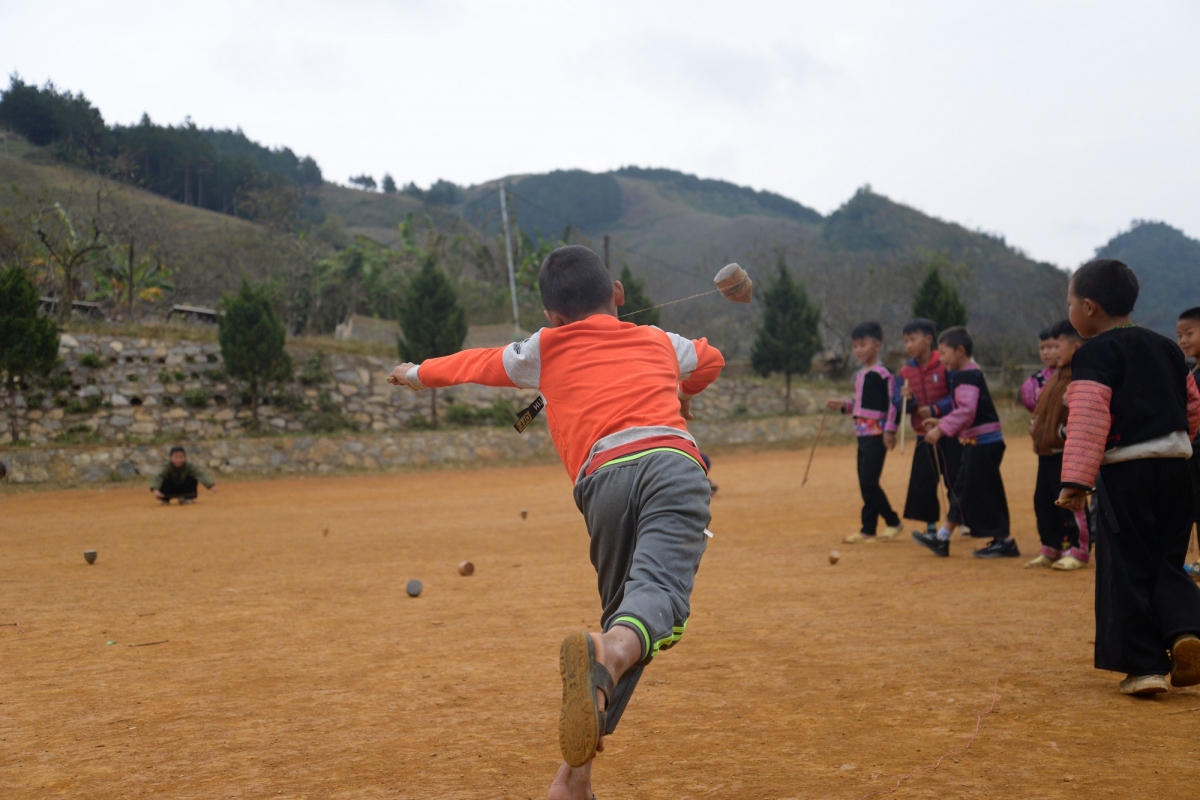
(966,401)
(1193,406)
(1087,432)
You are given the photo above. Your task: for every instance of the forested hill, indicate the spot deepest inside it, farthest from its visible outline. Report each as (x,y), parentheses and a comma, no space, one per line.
(1167,263)
(213,169)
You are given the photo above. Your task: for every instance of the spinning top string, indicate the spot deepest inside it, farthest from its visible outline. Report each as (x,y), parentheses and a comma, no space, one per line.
(732,282)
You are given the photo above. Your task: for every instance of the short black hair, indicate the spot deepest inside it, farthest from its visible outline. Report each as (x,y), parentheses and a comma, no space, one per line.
(957,337)
(1192,314)
(1064,328)
(921,325)
(1047,333)
(1108,283)
(177,449)
(867,330)
(574,281)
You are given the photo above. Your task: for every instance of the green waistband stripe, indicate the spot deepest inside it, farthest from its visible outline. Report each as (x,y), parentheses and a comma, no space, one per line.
(636,456)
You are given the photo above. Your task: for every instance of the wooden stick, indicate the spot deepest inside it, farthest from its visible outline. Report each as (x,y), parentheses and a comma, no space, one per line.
(813,452)
(903,419)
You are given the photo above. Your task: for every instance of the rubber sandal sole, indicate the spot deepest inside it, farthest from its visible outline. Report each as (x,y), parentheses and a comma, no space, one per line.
(1186,657)
(579,719)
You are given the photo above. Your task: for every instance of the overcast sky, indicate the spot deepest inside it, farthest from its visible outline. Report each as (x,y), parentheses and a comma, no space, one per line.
(1055,124)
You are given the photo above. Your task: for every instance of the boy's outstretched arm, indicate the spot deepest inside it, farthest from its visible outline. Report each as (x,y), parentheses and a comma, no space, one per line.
(517,365)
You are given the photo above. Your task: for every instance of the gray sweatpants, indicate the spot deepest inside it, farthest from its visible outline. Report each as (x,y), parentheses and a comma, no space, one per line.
(646,519)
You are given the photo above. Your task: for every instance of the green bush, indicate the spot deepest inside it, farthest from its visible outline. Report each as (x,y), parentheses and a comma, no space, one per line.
(60,381)
(500,414)
(131,378)
(211,358)
(314,370)
(419,423)
(168,401)
(328,418)
(35,399)
(215,375)
(84,405)
(164,377)
(290,401)
(740,410)
(179,375)
(91,360)
(61,401)
(196,398)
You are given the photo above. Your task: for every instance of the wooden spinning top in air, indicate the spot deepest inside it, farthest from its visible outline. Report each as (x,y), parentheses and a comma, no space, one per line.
(734,283)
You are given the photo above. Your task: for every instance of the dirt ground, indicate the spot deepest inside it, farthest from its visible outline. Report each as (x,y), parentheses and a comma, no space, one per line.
(260,644)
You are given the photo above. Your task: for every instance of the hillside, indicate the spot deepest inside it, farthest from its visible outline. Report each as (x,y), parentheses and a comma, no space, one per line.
(1167,263)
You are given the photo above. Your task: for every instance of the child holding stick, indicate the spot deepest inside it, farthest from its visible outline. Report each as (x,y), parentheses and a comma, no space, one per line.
(978,488)
(1187,332)
(875,425)
(923,389)
(1134,412)
(617,397)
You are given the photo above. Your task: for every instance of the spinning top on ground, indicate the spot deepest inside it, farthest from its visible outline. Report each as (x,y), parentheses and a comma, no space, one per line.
(466,568)
(413,588)
(834,556)
(524,513)
(89,556)
(734,283)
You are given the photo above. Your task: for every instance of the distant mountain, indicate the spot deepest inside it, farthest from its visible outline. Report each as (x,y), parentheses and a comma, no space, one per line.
(1167,263)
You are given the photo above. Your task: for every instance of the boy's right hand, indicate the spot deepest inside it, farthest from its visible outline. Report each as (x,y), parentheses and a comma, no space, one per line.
(906,392)
(399,376)
(833,405)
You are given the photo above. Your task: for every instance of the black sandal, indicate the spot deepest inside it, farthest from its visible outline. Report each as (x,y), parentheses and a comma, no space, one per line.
(581,722)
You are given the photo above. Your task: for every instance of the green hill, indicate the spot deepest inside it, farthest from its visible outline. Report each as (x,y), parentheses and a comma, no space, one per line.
(1167,263)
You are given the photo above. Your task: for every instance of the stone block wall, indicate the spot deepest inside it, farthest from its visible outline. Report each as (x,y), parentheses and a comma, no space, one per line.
(123,390)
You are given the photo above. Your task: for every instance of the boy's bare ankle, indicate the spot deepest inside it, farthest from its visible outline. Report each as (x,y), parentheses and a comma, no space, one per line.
(618,650)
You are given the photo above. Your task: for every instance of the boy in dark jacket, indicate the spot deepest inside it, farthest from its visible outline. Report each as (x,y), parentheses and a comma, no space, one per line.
(875,425)
(179,479)
(979,495)
(1134,412)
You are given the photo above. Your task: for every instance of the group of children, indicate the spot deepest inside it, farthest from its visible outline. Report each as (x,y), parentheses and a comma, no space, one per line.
(959,439)
(1114,420)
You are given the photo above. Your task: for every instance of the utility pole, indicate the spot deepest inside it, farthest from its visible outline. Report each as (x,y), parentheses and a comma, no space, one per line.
(606,264)
(512,276)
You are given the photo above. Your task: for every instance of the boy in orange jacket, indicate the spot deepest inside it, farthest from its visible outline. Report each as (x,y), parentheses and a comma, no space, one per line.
(617,397)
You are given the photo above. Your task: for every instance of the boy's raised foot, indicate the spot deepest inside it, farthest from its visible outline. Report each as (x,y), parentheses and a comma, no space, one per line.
(1069,563)
(890,533)
(1143,685)
(1041,560)
(939,547)
(999,548)
(858,538)
(1185,660)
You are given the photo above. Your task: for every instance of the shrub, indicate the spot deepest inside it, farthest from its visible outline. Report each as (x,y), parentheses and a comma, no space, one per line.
(211,358)
(196,398)
(131,378)
(35,399)
(61,401)
(314,370)
(290,401)
(215,375)
(168,401)
(164,377)
(60,381)
(740,410)
(500,413)
(84,405)
(91,360)
(180,375)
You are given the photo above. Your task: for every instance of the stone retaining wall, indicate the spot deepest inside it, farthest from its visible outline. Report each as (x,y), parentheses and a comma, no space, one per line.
(112,389)
(82,464)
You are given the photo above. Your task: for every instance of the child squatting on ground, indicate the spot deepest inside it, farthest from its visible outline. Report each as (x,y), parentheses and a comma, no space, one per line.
(875,426)
(1187,331)
(1056,525)
(978,498)
(923,392)
(1134,412)
(617,397)
(179,479)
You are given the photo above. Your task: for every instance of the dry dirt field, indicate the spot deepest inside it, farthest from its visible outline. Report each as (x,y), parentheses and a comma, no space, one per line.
(260,644)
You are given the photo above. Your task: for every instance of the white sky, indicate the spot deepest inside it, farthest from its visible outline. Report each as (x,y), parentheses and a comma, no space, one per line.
(1053,123)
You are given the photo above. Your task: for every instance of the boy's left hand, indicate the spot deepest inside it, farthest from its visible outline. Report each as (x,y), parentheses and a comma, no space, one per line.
(685,408)
(1072,498)
(889,440)
(399,376)
(933,434)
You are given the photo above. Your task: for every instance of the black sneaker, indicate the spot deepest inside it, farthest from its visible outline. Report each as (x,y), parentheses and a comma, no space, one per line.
(937,546)
(999,548)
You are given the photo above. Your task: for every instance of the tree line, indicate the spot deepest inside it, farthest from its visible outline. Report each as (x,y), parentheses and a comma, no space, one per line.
(220,170)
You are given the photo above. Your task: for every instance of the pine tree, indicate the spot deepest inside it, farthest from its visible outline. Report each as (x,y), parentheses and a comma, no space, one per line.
(28,342)
(252,338)
(938,301)
(636,299)
(789,336)
(432,321)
